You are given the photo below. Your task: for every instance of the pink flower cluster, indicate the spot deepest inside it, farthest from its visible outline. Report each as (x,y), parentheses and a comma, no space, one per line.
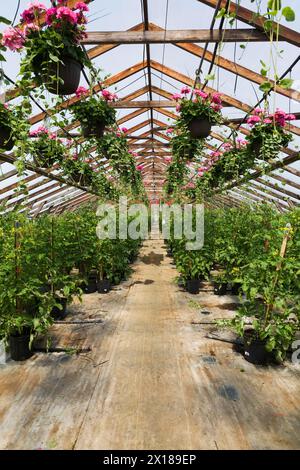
(32,12)
(14,38)
(279,118)
(189,185)
(81,91)
(42,130)
(108,96)
(213,100)
(139,167)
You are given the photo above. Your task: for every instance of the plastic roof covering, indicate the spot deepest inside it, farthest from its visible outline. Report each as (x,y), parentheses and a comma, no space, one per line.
(281,187)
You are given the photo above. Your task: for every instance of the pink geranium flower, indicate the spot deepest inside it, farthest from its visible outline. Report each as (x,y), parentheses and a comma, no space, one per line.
(81,6)
(257,111)
(168,159)
(290,117)
(201,93)
(267,121)
(185,90)
(51,15)
(176,96)
(108,96)
(39,130)
(139,167)
(66,14)
(169,131)
(81,91)
(13,39)
(29,27)
(124,130)
(216,98)
(252,120)
(216,107)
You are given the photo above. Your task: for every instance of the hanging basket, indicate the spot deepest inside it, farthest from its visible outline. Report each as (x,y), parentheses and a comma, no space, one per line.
(80,178)
(6,139)
(68,74)
(44,160)
(93,129)
(199,128)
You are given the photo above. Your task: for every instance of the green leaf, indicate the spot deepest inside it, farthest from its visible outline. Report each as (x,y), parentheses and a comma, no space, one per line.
(53,58)
(286,83)
(4,20)
(265,87)
(274,5)
(289,14)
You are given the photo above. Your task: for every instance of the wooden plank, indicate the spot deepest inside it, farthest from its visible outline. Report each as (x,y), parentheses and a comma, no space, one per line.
(230,66)
(144,104)
(108,82)
(171,36)
(253,19)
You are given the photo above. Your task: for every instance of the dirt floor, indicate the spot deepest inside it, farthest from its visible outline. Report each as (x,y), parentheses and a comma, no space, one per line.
(152,379)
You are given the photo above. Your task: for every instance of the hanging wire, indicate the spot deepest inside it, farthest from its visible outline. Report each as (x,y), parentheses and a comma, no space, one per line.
(164,48)
(16,13)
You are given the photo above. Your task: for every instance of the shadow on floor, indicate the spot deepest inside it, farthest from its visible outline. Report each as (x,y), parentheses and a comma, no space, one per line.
(152,258)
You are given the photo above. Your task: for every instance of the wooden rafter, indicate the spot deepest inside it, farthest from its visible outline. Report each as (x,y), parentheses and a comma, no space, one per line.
(253,19)
(171,36)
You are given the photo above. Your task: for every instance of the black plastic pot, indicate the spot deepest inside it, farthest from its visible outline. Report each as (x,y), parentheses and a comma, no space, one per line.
(235,288)
(91,286)
(93,129)
(19,346)
(80,178)
(44,161)
(192,286)
(199,128)
(6,140)
(220,289)
(255,349)
(104,286)
(69,72)
(57,313)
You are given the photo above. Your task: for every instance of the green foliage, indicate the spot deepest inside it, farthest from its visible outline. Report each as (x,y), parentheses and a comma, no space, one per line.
(270,283)
(93,110)
(265,140)
(45,49)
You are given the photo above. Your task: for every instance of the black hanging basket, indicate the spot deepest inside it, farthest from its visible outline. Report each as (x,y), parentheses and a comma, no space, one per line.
(80,178)
(68,75)
(104,286)
(44,160)
(19,346)
(6,139)
(255,349)
(192,286)
(199,128)
(93,129)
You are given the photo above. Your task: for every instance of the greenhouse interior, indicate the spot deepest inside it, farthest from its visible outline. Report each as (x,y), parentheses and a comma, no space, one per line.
(150,226)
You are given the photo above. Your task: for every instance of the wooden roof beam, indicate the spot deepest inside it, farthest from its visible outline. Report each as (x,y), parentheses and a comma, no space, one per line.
(251,18)
(171,36)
